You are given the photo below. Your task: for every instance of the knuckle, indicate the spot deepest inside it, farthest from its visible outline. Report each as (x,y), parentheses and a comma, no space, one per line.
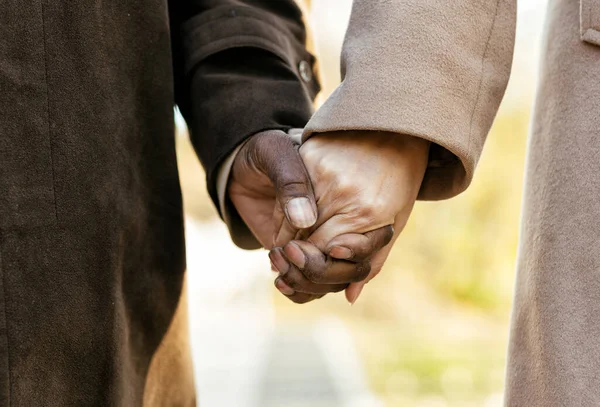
(265,139)
(292,279)
(312,151)
(362,271)
(296,299)
(338,288)
(370,210)
(308,153)
(388,234)
(301,299)
(268,143)
(321,168)
(363,215)
(261,141)
(313,274)
(375,206)
(345,187)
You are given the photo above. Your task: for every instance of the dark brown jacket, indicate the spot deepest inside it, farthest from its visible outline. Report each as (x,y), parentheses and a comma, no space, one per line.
(91,232)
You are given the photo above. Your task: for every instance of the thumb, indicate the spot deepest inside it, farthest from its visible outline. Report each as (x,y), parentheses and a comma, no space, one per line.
(277,156)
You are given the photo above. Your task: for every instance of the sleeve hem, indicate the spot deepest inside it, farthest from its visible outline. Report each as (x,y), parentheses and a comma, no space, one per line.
(234,27)
(451,163)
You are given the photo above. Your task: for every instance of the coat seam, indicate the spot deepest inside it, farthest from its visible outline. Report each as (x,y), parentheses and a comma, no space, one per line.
(50,138)
(480,86)
(239,41)
(251,14)
(4,300)
(207,26)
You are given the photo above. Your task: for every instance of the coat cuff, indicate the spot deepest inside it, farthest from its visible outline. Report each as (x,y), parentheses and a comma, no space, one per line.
(421,112)
(246,70)
(428,69)
(241,26)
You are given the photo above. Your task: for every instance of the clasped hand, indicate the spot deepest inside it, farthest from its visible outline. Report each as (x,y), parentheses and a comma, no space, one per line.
(330,209)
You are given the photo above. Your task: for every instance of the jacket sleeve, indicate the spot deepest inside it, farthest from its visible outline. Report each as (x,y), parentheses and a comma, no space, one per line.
(427,68)
(240,67)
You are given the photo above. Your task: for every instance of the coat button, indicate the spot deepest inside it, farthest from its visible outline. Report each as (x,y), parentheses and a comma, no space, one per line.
(305,71)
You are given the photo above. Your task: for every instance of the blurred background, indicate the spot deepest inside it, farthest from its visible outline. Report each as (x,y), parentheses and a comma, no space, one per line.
(430,331)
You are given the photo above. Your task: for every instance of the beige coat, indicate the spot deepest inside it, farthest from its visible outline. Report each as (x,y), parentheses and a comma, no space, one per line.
(437,69)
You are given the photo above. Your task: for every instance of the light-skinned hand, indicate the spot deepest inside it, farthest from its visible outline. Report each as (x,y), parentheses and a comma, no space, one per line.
(364,181)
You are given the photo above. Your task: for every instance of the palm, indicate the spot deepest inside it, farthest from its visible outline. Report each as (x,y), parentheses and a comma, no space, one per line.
(268,174)
(254,198)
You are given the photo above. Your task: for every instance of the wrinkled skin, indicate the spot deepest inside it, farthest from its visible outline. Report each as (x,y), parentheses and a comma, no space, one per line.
(362,185)
(363,181)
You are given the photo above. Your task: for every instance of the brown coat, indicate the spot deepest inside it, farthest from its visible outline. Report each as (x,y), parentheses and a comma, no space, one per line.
(91,228)
(437,70)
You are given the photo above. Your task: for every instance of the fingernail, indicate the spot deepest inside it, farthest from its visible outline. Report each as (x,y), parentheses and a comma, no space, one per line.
(353,300)
(278,262)
(295,255)
(301,213)
(283,287)
(341,253)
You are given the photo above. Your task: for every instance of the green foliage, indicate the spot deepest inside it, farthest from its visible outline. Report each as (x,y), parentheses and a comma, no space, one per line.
(440,307)
(466,247)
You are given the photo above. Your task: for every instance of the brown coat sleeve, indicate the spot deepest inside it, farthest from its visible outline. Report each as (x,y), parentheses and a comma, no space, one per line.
(428,68)
(240,67)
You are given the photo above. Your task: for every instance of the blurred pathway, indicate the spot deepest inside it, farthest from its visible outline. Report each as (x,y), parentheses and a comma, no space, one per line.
(243,358)
(296,375)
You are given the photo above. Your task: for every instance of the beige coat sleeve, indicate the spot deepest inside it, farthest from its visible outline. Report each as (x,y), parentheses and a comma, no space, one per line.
(427,68)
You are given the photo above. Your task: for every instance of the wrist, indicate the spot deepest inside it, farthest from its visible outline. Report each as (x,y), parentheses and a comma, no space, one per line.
(414,150)
(396,148)
(390,165)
